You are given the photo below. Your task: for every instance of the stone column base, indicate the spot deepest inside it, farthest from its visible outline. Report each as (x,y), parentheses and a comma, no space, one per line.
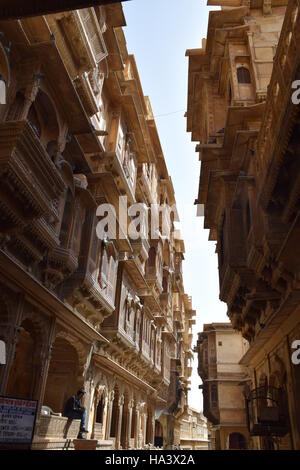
(85,444)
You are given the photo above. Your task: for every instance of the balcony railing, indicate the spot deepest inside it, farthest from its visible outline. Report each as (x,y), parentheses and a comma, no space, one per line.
(266,414)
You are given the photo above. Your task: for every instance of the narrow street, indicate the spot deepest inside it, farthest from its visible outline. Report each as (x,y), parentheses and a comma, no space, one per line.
(149,227)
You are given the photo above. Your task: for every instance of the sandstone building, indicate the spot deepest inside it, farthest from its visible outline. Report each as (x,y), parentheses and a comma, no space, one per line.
(111,315)
(219,350)
(193,431)
(241,113)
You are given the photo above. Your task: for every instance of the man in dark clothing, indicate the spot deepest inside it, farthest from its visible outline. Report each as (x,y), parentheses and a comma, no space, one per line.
(75,410)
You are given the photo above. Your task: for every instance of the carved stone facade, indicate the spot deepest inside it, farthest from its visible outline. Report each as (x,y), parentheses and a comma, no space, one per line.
(219,350)
(241,111)
(193,431)
(110,315)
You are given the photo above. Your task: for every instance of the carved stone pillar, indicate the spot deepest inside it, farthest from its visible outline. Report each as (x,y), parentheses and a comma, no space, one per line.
(97,397)
(144,429)
(129,423)
(105,413)
(150,426)
(119,428)
(111,397)
(153,429)
(11,341)
(139,433)
(137,428)
(45,363)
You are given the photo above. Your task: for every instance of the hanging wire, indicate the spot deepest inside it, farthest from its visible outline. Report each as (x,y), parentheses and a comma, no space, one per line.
(169,114)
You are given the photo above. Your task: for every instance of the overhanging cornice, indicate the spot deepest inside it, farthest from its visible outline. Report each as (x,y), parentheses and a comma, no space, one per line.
(15,9)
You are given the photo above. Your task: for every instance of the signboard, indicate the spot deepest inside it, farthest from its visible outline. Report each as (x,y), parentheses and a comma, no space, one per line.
(17,420)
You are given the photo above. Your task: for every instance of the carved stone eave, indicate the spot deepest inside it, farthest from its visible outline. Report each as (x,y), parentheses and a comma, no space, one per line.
(236,117)
(86,95)
(220,18)
(134,271)
(222,37)
(210,164)
(151,300)
(75,36)
(102,360)
(93,293)
(91,305)
(112,164)
(286,308)
(197,60)
(60,264)
(132,102)
(141,248)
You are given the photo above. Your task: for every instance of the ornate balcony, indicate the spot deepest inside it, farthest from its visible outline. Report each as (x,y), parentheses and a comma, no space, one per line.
(83,35)
(279,113)
(265,412)
(123,166)
(30,182)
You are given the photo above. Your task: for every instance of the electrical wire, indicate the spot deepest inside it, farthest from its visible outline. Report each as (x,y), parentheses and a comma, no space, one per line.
(169,114)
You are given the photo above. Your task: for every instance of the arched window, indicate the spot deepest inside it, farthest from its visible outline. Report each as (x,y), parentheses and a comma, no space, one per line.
(243,75)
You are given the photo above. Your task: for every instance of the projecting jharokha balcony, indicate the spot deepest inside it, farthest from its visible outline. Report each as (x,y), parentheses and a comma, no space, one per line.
(266,412)
(30,182)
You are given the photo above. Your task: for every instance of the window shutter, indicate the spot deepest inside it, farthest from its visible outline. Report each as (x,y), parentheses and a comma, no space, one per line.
(93,32)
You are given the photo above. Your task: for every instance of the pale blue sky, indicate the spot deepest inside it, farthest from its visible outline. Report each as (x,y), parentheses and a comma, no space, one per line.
(158,33)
